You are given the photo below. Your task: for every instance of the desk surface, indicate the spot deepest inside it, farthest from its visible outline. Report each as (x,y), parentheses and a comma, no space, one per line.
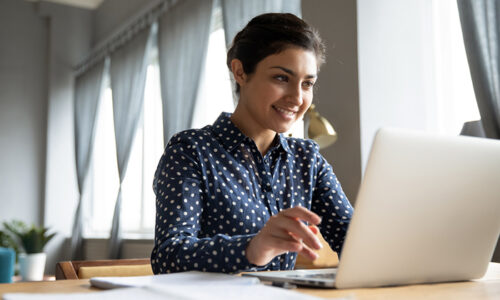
(487,287)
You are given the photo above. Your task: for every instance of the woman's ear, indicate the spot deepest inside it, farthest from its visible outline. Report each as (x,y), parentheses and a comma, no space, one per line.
(238,73)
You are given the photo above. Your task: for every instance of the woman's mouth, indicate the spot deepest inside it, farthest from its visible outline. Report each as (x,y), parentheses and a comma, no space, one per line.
(288,114)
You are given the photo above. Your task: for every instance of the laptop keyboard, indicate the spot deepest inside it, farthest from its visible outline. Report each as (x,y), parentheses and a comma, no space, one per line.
(316,275)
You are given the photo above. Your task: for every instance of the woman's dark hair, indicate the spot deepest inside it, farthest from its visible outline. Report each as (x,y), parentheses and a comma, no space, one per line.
(273,33)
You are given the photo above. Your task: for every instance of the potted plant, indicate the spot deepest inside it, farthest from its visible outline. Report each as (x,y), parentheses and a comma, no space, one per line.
(31,240)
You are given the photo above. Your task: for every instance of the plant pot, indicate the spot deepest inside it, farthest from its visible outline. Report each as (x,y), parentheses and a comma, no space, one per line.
(32,266)
(7,263)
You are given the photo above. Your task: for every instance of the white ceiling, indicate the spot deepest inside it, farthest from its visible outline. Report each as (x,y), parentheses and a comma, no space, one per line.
(89,4)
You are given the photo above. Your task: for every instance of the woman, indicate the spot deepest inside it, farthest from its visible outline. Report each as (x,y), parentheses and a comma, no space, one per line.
(237,195)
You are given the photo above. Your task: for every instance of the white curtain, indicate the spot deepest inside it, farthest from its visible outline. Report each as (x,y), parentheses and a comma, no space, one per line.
(182,43)
(237,13)
(88,88)
(128,68)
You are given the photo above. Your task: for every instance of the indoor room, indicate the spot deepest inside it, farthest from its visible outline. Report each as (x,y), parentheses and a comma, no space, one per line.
(92,91)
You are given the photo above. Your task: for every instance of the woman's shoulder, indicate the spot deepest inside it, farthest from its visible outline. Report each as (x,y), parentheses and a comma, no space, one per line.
(302,145)
(191,137)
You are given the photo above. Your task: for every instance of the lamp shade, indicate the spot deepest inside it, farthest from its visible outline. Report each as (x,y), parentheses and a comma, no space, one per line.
(319,129)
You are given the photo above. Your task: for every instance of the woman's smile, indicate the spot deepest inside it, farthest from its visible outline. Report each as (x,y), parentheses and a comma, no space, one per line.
(287,114)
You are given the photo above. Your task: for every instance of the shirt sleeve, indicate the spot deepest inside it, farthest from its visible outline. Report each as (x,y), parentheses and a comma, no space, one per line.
(180,196)
(330,202)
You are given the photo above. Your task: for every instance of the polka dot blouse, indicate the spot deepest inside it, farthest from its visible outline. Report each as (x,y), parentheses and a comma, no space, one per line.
(215,191)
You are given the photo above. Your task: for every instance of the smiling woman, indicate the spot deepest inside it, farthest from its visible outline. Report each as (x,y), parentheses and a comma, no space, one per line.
(238,195)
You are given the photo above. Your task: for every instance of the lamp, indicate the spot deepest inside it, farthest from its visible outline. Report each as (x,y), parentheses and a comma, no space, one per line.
(318,128)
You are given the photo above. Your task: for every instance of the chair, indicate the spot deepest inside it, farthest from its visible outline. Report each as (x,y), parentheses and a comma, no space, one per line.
(85,269)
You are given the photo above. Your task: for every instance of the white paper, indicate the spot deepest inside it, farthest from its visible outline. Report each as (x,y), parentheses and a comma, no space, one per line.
(229,292)
(185,278)
(122,294)
(177,286)
(180,292)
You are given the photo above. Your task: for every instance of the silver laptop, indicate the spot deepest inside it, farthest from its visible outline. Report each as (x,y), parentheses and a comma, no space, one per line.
(428,210)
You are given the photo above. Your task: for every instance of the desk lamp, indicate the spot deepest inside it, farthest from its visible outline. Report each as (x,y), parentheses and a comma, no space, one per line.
(318,128)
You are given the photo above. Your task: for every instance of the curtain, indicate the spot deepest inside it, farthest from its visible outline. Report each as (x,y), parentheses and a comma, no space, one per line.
(237,13)
(182,43)
(481,33)
(128,68)
(88,88)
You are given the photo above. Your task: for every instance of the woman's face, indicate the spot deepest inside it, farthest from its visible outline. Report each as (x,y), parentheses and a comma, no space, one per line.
(280,90)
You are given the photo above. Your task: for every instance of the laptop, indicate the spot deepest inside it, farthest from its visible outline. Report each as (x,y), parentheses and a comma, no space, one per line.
(428,210)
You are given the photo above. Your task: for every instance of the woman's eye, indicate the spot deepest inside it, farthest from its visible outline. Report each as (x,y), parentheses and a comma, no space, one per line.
(281,78)
(308,84)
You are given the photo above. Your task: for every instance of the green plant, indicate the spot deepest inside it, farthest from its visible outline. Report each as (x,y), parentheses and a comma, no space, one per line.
(6,241)
(31,239)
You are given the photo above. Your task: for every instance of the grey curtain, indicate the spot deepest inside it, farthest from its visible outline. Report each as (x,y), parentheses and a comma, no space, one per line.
(182,42)
(88,88)
(481,32)
(128,68)
(237,13)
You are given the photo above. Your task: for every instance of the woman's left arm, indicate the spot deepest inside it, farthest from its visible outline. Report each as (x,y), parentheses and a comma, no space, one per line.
(330,202)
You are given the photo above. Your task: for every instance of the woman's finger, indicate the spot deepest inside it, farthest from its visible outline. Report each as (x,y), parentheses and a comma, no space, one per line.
(297,229)
(302,214)
(284,245)
(314,229)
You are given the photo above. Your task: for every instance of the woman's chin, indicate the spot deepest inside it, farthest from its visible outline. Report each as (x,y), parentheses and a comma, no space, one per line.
(283,129)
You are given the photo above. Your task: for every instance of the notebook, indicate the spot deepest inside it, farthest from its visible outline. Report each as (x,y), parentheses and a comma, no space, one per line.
(428,210)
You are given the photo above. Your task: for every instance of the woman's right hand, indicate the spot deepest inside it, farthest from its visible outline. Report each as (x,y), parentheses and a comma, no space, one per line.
(285,232)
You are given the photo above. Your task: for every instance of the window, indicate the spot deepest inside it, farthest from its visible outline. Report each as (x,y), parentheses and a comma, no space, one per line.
(215,93)
(456,102)
(138,199)
(103,172)
(138,208)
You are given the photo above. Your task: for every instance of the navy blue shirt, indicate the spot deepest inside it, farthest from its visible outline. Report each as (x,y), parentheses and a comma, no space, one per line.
(215,191)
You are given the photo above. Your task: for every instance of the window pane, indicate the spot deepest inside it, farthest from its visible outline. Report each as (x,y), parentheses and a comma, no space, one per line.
(455,93)
(138,210)
(214,94)
(103,172)
(153,144)
(132,186)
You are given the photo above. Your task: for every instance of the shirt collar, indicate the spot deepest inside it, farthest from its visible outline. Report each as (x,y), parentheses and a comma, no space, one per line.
(226,132)
(231,136)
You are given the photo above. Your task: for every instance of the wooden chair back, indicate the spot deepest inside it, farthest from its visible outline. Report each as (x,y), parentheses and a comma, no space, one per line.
(84,269)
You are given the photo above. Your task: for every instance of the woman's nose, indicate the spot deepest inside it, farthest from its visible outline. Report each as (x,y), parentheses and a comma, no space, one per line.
(295,95)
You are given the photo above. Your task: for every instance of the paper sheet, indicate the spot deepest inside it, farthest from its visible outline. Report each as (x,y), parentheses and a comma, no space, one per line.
(180,292)
(177,286)
(184,278)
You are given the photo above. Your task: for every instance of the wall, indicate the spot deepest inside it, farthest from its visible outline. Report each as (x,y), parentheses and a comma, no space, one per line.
(337,96)
(396,64)
(111,15)
(69,41)
(23,110)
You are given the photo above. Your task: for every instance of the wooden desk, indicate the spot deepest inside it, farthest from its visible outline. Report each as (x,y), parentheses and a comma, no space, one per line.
(487,287)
